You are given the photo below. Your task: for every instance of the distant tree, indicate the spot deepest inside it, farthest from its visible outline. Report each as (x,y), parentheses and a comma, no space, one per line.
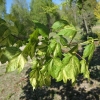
(20,11)
(69,13)
(87,15)
(97,11)
(37,11)
(2,8)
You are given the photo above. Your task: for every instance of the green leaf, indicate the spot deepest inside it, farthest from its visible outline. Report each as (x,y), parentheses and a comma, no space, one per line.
(33,82)
(3,28)
(66,59)
(34,37)
(39,78)
(44,79)
(64,75)
(50,64)
(59,24)
(34,63)
(6,38)
(43,30)
(71,70)
(59,77)
(11,52)
(17,62)
(88,52)
(47,80)
(84,69)
(57,50)
(43,69)
(74,49)
(69,31)
(63,41)
(29,50)
(34,74)
(51,46)
(57,65)
(54,67)
(41,53)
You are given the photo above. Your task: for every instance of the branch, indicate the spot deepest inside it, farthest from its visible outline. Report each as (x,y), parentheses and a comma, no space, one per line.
(19,38)
(79,55)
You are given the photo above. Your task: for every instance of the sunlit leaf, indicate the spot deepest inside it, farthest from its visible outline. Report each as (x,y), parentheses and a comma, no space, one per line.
(34,74)
(65,77)
(17,62)
(84,68)
(51,46)
(54,67)
(88,52)
(69,31)
(50,64)
(59,24)
(66,58)
(71,70)
(34,63)
(59,77)
(57,50)
(43,69)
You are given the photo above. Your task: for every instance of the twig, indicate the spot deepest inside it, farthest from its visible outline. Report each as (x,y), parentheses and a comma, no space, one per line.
(79,55)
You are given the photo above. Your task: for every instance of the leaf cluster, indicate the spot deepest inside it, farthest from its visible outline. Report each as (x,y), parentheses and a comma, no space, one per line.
(52,56)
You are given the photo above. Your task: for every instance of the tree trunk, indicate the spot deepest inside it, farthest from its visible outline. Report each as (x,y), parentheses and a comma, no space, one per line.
(85,25)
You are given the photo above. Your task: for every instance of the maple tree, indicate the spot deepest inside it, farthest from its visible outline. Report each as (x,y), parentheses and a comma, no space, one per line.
(46,52)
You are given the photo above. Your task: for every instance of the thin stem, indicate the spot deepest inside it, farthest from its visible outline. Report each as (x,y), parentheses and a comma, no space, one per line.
(79,55)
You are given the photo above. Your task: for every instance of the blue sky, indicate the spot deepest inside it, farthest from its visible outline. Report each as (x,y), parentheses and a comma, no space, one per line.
(9,2)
